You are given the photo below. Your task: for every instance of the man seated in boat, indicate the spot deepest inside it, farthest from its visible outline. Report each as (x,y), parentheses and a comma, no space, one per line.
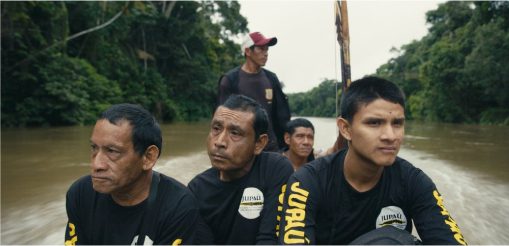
(300,137)
(366,188)
(239,195)
(124,201)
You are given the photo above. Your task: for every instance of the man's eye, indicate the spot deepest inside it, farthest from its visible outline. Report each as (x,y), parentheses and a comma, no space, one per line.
(113,151)
(215,129)
(399,123)
(93,148)
(374,122)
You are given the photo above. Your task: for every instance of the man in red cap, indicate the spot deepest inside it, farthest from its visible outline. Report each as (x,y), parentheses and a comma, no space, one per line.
(251,80)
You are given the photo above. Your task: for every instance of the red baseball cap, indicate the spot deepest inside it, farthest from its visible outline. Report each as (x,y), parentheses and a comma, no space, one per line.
(256,38)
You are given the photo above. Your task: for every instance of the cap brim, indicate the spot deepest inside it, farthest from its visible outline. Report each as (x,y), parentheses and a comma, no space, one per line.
(268,42)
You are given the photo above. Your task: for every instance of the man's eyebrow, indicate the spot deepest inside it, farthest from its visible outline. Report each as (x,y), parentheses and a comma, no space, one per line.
(215,121)
(373,118)
(235,127)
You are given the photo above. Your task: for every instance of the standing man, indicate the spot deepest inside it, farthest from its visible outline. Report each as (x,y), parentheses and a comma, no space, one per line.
(366,187)
(262,85)
(124,201)
(239,195)
(300,137)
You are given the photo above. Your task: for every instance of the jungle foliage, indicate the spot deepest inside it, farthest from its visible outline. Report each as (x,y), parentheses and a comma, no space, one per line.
(319,101)
(459,71)
(65,62)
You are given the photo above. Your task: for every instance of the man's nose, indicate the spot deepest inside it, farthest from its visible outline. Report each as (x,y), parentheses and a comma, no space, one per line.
(98,161)
(388,133)
(221,140)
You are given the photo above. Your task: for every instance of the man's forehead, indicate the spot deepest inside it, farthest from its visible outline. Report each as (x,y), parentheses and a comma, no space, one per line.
(380,108)
(303,129)
(231,115)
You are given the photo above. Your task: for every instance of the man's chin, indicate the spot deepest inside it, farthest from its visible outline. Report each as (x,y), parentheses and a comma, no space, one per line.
(387,162)
(102,189)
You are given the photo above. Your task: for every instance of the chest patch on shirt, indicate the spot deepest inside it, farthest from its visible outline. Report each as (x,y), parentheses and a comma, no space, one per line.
(251,203)
(268,94)
(392,216)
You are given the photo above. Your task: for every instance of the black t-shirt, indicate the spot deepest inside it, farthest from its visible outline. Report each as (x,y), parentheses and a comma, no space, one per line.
(95,218)
(258,87)
(243,211)
(320,206)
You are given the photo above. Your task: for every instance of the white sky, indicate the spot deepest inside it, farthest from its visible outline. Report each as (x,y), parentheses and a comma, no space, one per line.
(307,51)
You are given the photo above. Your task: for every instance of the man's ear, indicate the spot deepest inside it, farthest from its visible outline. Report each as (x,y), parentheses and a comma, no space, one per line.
(150,157)
(287,138)
(344,128)
(261,143)
(247,51)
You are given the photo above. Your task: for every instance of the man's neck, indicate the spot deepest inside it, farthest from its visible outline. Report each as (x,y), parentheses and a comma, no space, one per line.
(361,174)
(297,161)
(250,67)
(136,192)
(230,175)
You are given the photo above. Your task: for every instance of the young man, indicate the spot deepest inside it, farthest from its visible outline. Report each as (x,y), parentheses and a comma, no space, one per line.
(239,195)
(124,201)
(335,199)
(251,80)
(300,137)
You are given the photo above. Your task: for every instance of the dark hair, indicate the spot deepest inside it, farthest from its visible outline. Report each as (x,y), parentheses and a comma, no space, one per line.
(146,130)
(246,104)
(250,47)
(366,90)
(299,122)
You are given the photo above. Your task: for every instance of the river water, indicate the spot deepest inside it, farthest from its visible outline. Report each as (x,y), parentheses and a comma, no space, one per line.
(469,164)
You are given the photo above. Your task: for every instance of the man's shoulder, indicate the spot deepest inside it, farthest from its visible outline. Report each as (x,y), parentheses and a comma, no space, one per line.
(408,175)
(171,183)
(322,170)
(81,185)
(275,161)
(232,71)
(174,196)
(208,176)
(268,72)
(404,167)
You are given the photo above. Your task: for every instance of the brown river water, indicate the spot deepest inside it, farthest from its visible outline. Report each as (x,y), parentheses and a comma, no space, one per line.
(469,164)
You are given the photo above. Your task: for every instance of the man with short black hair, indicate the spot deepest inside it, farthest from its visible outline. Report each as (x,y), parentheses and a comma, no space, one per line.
(239,195)
(252,80)
(300,137)
(365,187)
(124,201)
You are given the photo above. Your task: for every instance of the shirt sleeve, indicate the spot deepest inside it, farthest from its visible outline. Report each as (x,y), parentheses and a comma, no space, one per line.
(298,217)
(224,90)
(432,220)
(73,235)
(267,233)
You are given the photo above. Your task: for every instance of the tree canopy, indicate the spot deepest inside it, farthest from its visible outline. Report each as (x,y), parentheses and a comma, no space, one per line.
(459,71)
(64,62)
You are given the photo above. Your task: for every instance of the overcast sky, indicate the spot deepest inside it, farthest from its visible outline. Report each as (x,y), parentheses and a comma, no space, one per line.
(307,49)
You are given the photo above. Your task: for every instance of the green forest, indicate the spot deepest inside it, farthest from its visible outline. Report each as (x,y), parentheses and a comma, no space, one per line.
(65,62)
(458,72)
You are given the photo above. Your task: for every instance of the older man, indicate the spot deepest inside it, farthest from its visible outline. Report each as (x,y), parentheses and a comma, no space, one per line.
(123,201)
(239,195)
